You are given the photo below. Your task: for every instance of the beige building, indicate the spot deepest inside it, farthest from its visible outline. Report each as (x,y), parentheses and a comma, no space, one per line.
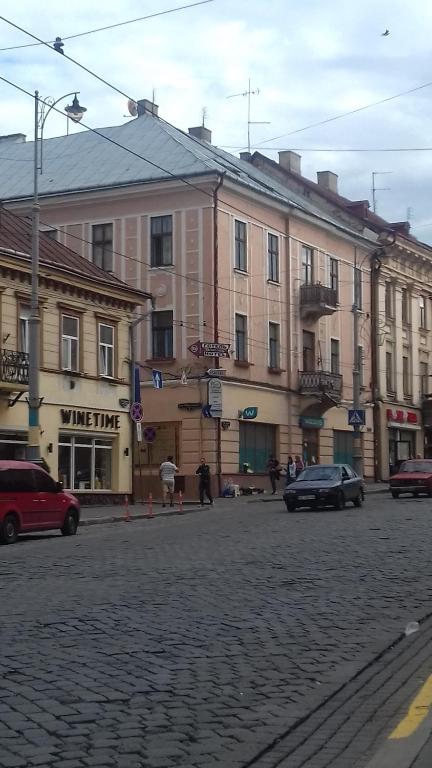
(85,428)
(232,257)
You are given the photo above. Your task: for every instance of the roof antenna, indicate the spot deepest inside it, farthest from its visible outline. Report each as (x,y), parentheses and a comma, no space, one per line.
(250,122)
(204,115)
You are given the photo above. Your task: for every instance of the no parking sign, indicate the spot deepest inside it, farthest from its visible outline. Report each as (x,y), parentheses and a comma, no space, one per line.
(149,434)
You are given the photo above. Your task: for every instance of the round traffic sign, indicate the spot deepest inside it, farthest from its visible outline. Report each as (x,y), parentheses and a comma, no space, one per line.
(149,434)
(136,412)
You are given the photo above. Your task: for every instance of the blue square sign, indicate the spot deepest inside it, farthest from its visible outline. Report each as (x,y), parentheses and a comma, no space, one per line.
(357,417)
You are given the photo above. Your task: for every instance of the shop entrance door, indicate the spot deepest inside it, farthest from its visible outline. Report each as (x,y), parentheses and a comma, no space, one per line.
(310,446)
(342,447)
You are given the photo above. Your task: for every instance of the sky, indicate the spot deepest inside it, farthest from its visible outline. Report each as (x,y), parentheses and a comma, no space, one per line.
(309,61)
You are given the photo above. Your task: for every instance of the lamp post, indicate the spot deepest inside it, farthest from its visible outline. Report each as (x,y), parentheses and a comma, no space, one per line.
(75,112)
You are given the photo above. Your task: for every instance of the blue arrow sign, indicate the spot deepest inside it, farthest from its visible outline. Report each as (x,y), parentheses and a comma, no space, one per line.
(157,379)
(357,417)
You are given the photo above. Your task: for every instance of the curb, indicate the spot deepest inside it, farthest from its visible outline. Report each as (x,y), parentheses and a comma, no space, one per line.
(138,516)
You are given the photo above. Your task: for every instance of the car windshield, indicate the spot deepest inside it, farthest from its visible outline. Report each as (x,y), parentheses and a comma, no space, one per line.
(416,466)
(320,473)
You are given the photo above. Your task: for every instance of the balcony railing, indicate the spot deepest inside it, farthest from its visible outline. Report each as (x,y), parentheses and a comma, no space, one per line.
(322,384)
(14,369)
(317,300)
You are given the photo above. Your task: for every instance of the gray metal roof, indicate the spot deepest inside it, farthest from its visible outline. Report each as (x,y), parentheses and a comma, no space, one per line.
(86,160)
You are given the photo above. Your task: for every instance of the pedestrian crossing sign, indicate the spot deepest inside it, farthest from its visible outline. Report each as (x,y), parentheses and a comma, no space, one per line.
(357,417)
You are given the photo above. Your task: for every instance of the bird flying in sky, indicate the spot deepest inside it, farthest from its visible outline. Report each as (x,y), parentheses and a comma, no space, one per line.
(386,33)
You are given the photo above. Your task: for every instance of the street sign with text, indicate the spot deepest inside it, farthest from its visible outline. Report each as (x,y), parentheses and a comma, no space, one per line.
(216,372)
(215,397)
(209,349)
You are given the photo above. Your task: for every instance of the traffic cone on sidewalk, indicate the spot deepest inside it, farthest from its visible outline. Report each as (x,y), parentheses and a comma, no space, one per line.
(150,506)
(127,515)
(180,502)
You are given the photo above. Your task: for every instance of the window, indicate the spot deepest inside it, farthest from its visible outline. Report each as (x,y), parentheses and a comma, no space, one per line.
(241,337)
(360,359)
(358,292)
(334,275)
(240,245)
(13,480)
(307,265)
(85,463)
(422,308)
(69,343)
(102,238)
(23,323)
(162,335)
(388,300)
(389,372)
(424,378)
(161,241)
(308,351)
(334,356)
(405,306)
(106,350)
(273,257)
(256,443)
(43,482)
(406,375)
(274,345)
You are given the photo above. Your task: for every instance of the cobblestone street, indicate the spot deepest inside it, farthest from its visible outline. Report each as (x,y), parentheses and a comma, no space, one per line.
(199,640)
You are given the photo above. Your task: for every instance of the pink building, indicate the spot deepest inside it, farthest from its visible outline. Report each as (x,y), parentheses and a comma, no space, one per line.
(232,255)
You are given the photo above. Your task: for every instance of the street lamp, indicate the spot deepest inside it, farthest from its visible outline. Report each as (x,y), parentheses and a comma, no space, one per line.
(42,108)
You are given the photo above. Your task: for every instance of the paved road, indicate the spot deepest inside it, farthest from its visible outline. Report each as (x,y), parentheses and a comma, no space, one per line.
(201,640)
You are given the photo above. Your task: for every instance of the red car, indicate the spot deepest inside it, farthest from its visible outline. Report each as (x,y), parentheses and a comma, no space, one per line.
(413,476)
(30,500)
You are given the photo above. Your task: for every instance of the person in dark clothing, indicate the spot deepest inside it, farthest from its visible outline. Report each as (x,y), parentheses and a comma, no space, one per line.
(273,469)
(204,482)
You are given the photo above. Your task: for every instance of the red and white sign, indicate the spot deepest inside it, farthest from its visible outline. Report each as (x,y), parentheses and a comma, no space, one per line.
(399,416)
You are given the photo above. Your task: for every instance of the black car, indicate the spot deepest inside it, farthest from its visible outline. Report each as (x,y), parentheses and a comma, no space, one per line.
(324,485)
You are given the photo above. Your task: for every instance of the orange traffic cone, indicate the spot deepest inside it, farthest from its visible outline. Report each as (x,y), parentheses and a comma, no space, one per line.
(127,515)
(180,502)
(150,506)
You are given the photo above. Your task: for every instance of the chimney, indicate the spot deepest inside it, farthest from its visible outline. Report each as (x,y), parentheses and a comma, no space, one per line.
(246,156)
(200,132)
(328,180)
(359,208)
(401,226)
(13,138)
(290,161)
(145,106)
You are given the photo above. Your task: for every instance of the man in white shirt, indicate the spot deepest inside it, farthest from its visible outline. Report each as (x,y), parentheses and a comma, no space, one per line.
(167,471)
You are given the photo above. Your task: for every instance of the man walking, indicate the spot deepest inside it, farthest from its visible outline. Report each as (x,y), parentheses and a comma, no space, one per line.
(204,482)
(167,472)
(273,468)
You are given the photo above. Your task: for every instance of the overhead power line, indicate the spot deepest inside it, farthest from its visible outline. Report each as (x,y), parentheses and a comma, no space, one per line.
(109,26)
(328,149)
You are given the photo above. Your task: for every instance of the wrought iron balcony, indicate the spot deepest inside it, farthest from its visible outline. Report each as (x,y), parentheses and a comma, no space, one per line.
(322,384)
(317,300)
(14,370)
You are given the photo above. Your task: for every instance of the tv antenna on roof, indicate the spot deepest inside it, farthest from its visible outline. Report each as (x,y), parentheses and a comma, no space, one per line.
(378,189)
(250,122)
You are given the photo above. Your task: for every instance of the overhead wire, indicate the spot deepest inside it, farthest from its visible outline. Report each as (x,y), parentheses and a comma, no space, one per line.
(109,26)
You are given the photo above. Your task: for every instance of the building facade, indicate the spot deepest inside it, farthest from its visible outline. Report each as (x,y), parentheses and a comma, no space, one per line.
(85,428)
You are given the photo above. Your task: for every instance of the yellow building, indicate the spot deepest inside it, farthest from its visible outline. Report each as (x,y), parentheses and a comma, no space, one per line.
(85,427)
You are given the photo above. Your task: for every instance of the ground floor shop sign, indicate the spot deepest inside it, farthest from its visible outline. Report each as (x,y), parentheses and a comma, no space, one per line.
(95,419)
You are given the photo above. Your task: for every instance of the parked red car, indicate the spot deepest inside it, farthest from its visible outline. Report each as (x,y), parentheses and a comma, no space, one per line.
(413,476)
(30,500)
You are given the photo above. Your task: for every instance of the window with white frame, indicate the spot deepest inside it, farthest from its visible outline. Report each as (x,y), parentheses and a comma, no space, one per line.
(307,265)
(69,343)
(422,310)
(85,463)
(240,245)
(102,251)
(106,349)
(162,334)
(274,345)
(273,257)
(241,337)
(23,328)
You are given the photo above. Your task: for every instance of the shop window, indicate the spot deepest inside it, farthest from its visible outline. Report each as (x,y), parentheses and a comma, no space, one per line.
(85,464)
(256,443)
(273,257)
(102,251)
(274,345)
(307,265)
(240,245)
(161,241)
(162,335)
(69,343)
(106,350)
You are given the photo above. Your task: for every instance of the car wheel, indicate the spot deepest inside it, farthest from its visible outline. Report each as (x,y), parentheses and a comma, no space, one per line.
(395,494)
(290,506)
(359,500)
(9,530)
(340,501)
(70,525)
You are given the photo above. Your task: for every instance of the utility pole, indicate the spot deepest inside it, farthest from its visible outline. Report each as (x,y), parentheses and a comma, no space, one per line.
(132,341)
(357,446)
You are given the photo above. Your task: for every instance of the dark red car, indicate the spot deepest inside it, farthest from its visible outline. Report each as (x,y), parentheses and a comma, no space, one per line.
(413,476)
(30,500)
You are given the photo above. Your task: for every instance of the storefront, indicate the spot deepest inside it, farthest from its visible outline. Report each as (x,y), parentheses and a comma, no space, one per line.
(311,426)
(13,444)
(403,428)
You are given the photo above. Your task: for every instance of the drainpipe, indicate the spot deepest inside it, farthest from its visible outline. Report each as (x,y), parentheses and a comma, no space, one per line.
(376,394)
(216,319)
